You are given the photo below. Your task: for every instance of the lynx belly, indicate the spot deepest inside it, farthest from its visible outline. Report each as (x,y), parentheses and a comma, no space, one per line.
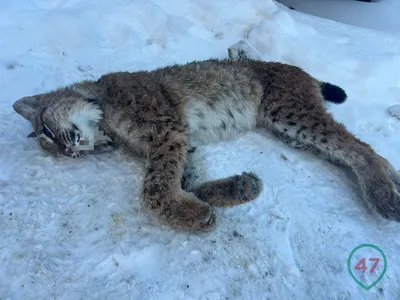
(226,118)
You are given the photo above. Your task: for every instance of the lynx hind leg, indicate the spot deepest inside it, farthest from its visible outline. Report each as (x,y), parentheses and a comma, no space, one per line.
(393,173)
(234,190)
(299,118)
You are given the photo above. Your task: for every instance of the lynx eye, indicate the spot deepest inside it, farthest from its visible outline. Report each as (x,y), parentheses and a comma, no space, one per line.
(48,132)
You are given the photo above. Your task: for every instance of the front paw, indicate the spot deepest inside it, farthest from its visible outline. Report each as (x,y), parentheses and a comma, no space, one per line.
(189,213)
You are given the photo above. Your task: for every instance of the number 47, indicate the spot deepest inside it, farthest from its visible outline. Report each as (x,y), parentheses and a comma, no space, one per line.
(362,266)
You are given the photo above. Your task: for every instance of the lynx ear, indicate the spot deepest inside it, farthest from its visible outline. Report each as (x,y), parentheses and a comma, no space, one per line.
(26,107)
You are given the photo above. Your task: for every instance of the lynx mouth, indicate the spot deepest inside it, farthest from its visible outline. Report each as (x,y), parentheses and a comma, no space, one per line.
(72,152)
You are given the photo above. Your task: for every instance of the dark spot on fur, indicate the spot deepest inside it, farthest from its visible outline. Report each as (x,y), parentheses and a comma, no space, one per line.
(200,114)
(327,132)
(223,125)
(173,162)
(92,100)
(291,123)
(230,114)
(166,95)
(301,129)
(324,140)
(275,112)
(171,148)
(302,116)
(240,112)
(151,192)
(314,125)
(191,150)
(285,129)
(304,136)
(290,115)
(202,127)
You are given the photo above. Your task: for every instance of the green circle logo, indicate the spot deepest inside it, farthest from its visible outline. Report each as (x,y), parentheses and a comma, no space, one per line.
(367,264)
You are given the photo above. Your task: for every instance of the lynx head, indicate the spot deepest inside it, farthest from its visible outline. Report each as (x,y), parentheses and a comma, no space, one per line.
(64,121)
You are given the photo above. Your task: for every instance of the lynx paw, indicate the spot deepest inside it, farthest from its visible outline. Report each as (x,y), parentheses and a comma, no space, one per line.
(189,213)
(230,191)
(386,200)
(246,187)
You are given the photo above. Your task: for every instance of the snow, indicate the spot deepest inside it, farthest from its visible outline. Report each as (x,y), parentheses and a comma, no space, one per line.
(74,229)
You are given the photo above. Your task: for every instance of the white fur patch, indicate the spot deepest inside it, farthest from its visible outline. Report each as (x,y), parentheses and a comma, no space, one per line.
(86,117)
(228,118)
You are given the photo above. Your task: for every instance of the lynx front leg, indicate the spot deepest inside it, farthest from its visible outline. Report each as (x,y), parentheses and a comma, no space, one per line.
(162,193)
(230,191)
(234,190)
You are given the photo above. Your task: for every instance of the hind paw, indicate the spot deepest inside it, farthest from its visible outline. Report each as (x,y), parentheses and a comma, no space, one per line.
(247,187)
(386,200)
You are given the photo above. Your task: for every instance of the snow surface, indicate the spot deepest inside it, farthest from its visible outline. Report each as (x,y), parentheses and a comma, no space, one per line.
(73,229)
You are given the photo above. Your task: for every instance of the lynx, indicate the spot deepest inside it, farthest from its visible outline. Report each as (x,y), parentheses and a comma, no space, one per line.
(164,114)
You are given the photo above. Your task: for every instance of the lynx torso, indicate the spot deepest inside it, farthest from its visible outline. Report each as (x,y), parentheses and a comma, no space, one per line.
(215,109)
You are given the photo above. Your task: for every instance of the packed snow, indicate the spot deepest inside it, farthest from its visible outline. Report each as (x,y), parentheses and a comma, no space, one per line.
(74,229)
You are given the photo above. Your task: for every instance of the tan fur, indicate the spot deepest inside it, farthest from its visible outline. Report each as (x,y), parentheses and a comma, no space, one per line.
(162,115)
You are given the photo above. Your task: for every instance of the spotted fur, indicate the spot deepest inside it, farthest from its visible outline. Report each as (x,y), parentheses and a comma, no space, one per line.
(164,114)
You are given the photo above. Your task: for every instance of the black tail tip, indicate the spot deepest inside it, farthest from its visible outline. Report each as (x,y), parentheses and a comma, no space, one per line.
(333,93)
